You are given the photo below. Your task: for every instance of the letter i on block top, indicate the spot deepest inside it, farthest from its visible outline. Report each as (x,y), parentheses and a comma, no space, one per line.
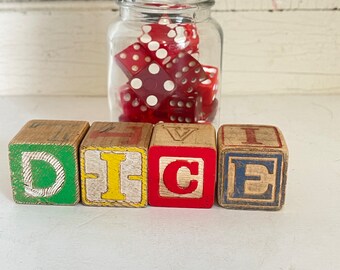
(44,162)
(252,167)
(182,165)
(113,161)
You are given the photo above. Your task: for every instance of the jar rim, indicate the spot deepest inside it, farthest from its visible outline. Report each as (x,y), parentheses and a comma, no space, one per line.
(166,4)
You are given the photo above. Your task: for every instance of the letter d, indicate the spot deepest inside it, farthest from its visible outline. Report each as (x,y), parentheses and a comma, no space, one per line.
(27,157)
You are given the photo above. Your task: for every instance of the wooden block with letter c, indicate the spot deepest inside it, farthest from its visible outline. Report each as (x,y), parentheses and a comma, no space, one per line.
(182,165)
(252,167)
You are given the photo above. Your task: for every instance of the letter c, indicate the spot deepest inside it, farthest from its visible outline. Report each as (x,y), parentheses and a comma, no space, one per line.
(170,176)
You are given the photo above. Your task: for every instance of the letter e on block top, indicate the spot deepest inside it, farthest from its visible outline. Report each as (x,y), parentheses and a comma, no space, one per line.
(44,162)
(252,167)
(182,165)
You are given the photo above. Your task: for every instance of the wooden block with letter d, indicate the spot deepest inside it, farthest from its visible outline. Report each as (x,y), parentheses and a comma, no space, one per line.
(113,158)
(44,162)
(252,167)
(182,165)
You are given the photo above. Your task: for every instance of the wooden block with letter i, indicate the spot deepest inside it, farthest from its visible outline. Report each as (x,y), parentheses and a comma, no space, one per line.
(182,165)
(252,167)
(44,162)
(113,161)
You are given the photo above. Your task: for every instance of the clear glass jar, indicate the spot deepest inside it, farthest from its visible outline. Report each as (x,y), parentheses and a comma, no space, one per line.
(165,62)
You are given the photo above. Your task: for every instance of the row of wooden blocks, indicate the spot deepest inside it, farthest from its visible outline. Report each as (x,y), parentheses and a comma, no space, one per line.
(135,164)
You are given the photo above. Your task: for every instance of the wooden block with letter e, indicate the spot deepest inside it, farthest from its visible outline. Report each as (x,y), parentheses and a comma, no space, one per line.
(182,165)
(252,167)
(113,158)
(44,162)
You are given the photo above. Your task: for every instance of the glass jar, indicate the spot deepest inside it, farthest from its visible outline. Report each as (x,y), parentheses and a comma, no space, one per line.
(165,62)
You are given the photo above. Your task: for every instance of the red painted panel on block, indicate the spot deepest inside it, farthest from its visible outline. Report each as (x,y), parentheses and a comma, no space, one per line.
(182,176)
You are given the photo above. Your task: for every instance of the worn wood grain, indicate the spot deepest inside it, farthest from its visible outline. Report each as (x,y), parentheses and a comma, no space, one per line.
(252,170)
(190,135)
(182,165)
(44,162)
(59,132)
(113,162)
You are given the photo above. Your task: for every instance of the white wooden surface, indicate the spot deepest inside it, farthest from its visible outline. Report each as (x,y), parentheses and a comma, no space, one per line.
(59,48)
(305,235)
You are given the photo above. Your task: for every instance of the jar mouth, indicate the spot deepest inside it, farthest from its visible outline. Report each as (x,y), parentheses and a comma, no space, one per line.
(167,4)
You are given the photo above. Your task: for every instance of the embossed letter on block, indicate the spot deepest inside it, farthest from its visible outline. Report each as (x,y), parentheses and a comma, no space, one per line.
(114,164)
(44,162)
(182,165)
(252,167)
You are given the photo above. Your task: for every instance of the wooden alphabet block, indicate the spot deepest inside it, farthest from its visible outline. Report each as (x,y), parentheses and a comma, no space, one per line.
(44,162)
(113,159)
(252,167)
(182,165)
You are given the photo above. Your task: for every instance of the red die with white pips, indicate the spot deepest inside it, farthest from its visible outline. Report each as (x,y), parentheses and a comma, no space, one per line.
(209,112)
(187,37)
(165,39)
(134,108)
(133,59)
(184,110)
(209,87)
(186,71)
(158,40)
(153,85)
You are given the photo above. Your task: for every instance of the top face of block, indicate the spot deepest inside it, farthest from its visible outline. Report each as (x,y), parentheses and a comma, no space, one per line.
(108,134)
(251,136)
(56,132)
(192,135)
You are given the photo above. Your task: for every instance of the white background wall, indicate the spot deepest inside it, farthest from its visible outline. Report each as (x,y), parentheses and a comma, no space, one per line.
(275,47)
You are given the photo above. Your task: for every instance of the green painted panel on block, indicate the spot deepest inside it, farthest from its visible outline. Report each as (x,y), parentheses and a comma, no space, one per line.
(43,174)
(44,163)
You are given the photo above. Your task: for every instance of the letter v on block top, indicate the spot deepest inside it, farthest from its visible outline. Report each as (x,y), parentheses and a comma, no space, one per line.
(182,166)
(180,133)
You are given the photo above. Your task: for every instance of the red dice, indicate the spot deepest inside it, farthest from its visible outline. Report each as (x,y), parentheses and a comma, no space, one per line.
(166,82)
(133,59)
(159,41)
(209,87)
(188,38)
(134,108)
(166,39)
(184,110)
(152,85)
(209,112)
(186,71)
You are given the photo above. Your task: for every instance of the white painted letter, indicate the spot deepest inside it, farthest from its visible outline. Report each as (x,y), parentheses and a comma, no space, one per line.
(27,157)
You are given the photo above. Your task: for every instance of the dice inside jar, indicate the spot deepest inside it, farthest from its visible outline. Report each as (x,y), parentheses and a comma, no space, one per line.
(165,62)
